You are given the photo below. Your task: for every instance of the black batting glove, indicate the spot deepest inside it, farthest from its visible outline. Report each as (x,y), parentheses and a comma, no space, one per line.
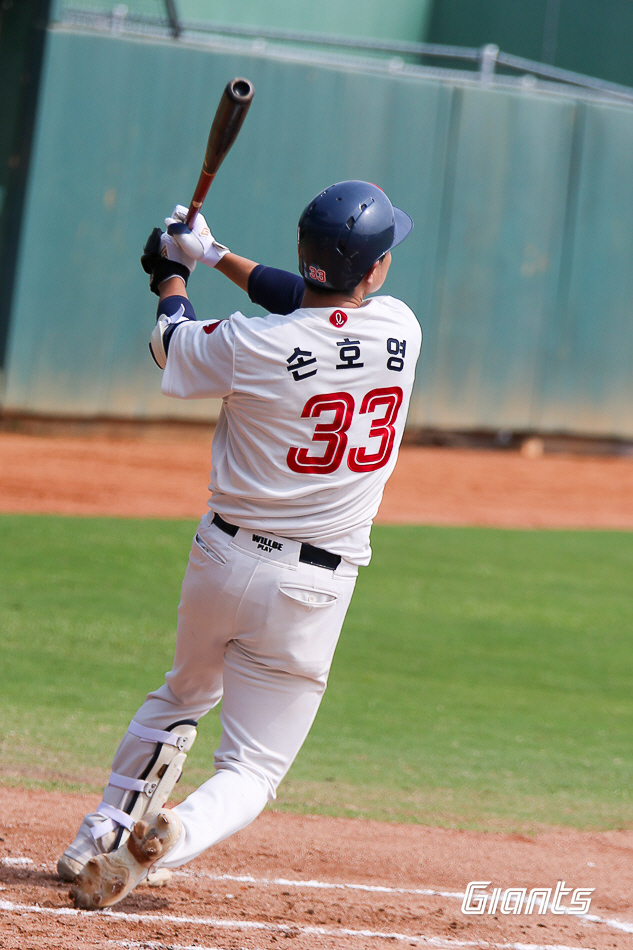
(156,262)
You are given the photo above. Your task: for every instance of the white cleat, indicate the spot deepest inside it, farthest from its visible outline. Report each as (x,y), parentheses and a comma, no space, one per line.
(107,828)
(158,877)
(108,878)
(69,868)
(84,847)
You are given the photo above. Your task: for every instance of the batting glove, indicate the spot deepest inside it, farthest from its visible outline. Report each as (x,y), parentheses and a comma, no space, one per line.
(162,259)
(198,243)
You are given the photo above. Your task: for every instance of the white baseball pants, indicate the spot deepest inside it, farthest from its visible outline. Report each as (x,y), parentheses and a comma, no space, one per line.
(257,629)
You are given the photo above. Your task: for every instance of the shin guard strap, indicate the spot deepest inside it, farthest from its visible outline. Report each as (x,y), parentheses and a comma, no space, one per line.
(145,734)
(132,784)
(112,817)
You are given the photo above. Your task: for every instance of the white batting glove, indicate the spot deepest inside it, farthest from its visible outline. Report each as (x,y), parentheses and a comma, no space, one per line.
(199,244)
(173,252)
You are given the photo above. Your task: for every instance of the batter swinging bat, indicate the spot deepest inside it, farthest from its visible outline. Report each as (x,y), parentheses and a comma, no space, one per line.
(227,122)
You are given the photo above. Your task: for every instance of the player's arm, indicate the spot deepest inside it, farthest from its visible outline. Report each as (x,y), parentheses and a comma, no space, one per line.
(174,309)
(275,290)
(169,269)
(236,268)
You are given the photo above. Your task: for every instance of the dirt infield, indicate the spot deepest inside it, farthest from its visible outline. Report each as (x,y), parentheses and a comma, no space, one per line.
(308,883)
(166,476)
(331,884)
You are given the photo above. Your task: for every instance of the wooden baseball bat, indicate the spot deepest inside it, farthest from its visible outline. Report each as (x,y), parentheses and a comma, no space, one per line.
(227,122)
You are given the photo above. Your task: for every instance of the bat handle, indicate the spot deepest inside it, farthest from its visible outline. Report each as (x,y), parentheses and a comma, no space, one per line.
(198,197)
(192,214)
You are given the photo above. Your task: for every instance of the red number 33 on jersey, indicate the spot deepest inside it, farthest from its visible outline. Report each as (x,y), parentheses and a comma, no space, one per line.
(334,433)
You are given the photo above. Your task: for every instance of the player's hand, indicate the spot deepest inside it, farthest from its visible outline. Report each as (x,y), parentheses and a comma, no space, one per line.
(198,243)
(171,249)
(162,259)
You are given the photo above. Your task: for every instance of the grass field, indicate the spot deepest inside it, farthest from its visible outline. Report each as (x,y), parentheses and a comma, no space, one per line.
(483,677)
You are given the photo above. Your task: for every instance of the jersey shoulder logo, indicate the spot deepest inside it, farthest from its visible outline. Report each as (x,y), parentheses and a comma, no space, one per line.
(338,318)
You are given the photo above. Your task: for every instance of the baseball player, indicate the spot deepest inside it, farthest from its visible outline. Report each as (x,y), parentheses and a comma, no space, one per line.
(314,399)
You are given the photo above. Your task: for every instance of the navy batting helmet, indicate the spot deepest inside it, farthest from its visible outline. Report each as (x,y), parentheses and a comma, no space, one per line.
(344,231)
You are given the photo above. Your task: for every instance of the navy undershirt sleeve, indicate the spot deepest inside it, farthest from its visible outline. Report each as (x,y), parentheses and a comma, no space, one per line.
(277,291)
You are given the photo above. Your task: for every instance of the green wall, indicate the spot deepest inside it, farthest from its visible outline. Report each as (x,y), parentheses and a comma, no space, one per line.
(518,267)
(501,242)
(586,36)
(515,26)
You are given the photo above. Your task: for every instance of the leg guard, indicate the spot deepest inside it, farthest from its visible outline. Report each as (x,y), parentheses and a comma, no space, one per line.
(109,827)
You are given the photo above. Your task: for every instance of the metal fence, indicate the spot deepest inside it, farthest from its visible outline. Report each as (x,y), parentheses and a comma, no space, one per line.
(160,17)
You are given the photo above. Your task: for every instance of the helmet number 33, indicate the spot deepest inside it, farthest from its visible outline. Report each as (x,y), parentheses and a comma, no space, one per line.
(334,433)
(316,273)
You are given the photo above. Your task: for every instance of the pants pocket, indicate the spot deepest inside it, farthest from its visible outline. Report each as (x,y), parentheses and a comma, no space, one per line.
(208,550)
(309,596)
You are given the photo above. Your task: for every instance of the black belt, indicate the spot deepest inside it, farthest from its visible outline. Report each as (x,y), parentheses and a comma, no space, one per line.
(308,554)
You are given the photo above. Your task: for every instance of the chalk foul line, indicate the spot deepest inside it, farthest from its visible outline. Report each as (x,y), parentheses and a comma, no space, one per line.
(260,926)
(24,862)
(319,885)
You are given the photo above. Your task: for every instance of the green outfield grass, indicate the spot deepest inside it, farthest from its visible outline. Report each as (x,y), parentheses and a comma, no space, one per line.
(483,679)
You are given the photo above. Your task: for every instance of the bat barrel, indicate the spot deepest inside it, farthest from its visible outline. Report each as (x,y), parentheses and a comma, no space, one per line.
(240,90)
(231,112)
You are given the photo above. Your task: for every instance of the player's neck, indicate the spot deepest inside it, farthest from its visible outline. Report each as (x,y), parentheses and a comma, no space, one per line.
(336,300)
(350,299)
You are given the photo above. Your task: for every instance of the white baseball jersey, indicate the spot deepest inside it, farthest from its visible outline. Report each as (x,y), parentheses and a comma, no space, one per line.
(314,408)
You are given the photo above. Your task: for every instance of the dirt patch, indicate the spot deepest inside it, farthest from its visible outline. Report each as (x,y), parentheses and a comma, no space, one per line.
(167,477)
(331,884)
(317,883)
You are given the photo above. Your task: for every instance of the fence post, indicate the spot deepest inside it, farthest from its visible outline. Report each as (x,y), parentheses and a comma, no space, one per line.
(488,62)
(172,16)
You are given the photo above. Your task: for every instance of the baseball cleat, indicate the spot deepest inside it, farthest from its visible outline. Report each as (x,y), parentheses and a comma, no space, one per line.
(84,847)
(108,878)
(68,870)
(107,829)
(158,877)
